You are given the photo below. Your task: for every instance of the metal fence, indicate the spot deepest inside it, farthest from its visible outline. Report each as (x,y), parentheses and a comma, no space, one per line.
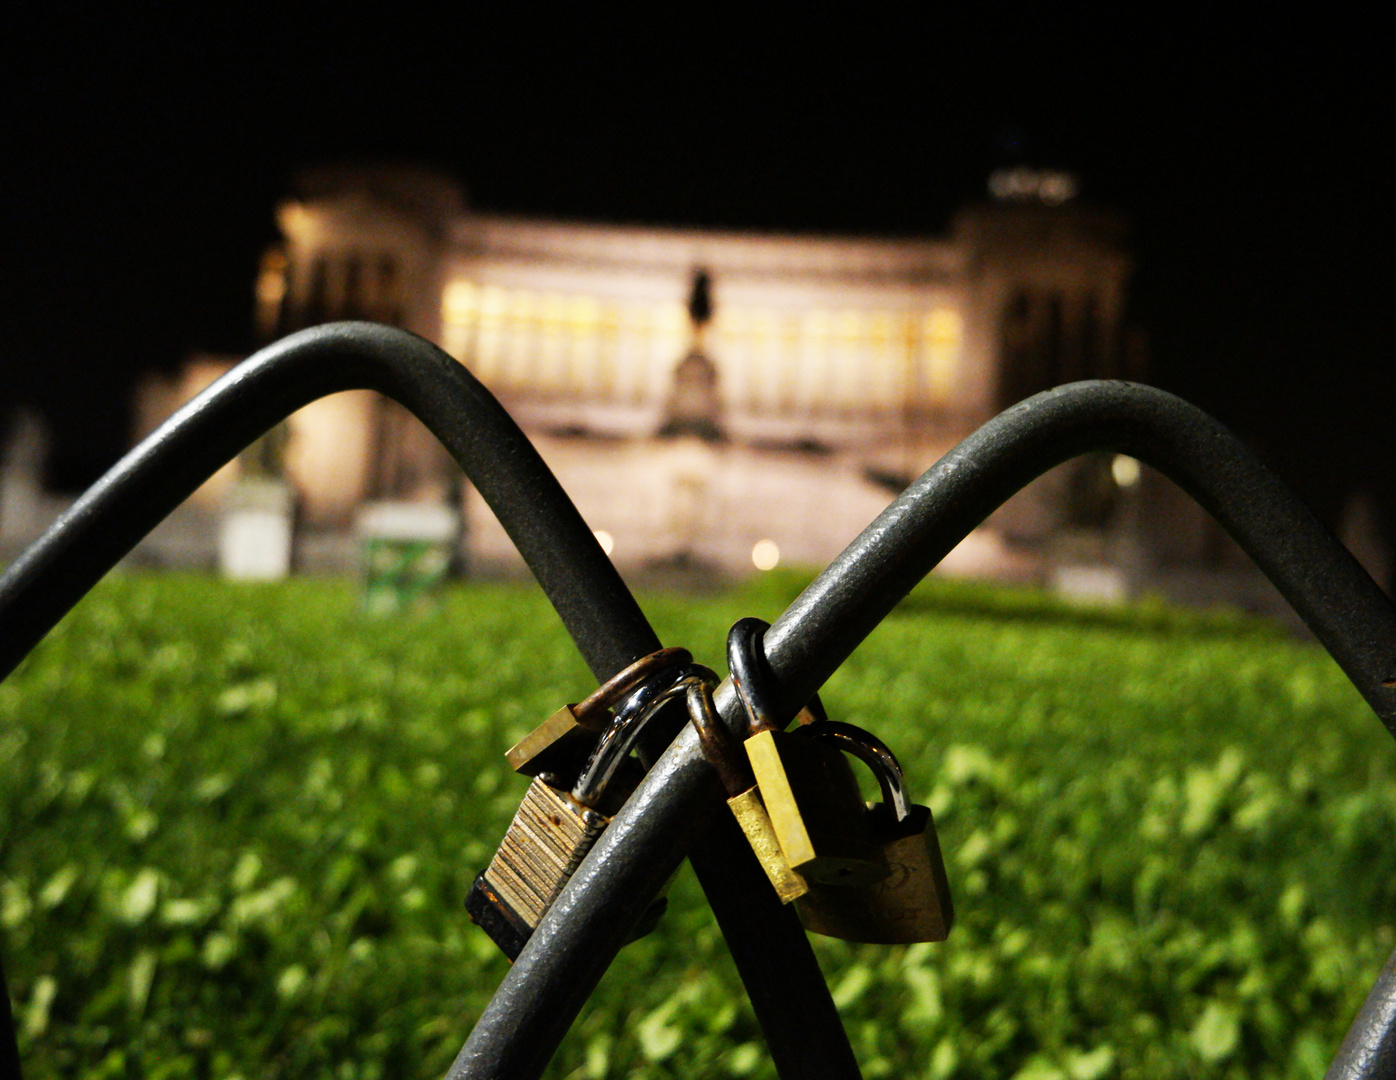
(673,814)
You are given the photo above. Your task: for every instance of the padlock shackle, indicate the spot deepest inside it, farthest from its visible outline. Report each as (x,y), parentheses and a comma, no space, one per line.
(874,753)
(624,682)
(745,655)
(815,708)
(618,739)
(721,750)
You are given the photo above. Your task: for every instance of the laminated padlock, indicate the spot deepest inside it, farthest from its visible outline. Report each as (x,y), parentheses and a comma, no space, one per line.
(744,800)
(561,744)
(913,902)
(807,786)
(555,827)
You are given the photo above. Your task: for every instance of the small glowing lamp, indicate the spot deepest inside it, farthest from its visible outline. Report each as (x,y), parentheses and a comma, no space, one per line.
(605,539)
(765,555)
(1125,470)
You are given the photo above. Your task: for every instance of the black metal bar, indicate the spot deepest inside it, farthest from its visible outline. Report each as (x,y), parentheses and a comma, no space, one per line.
(110,519)
(1369,1050)
(1320,579)
(577,939)
(676,810)
(9,1045)
(773,957)
(592,600)
(1328,588)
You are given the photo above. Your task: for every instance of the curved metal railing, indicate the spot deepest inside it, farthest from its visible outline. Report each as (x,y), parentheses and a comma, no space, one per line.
(791,1000)
(1327,587)
(672,814)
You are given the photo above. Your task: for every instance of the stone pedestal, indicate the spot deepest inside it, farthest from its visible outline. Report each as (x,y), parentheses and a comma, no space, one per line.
(407,548)
(254,536)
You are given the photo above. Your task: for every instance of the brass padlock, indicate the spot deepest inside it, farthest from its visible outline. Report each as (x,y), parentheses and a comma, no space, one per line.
(808,789)
(913,902)
(744,800)
(554,827)
(561,744)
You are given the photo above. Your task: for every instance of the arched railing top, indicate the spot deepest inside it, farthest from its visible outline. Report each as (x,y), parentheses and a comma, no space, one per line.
(1328,588)
(41,586)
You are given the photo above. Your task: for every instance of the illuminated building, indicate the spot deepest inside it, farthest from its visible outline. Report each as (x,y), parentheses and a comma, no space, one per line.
(835,368)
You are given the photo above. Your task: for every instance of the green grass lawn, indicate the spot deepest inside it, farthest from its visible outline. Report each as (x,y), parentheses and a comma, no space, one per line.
(239,823)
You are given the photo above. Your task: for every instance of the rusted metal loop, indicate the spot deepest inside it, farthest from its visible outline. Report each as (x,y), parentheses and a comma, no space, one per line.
(624,682)
(873,752)
(719,747)
(619,738)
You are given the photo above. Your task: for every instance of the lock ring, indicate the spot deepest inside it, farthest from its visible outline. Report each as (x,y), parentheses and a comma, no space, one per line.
(617,740)
(744,656)
(717,742)
(624,682)
(873,752)
(745,660)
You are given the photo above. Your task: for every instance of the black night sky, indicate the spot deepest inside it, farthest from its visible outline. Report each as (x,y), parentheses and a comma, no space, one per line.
(144,154)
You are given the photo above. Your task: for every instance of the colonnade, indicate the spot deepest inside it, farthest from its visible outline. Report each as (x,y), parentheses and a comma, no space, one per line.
(1051,336)
(770,360)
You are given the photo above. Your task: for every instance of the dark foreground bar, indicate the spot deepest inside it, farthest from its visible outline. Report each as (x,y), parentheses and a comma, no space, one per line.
(792,1002)
(673,812)
(1325,584)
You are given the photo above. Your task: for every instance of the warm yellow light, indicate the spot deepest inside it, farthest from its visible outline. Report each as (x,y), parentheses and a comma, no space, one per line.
(461,301)
(493,301)
(849,326)
(765,555)
(764,324)
(524,305)
(1125,470)
(271,287)
(817,324)
(605,539)
(943,330)
(553,310)
(583,313)
(670,318)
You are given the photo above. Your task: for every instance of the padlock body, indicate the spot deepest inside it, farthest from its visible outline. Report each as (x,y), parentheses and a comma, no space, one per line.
(911,904)
(751,815)
(559,746)
(815,808)
(549,837)
(546,842)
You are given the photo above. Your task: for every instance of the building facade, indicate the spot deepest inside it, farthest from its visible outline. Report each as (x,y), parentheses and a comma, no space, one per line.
(828,371)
